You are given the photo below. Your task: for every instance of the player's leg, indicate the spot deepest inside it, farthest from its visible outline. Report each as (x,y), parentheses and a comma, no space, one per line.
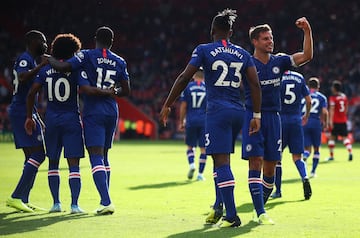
(278,179)
(74,184)
(271,127)
(110,128)
(346,141)
(253,151)
(190,141)
(316,142)
(331,141)
(73,151)
(94,132)
(54,144)
(286,137)
(107,166)
(307,143)
(35,155)
(348,145)
(202,157)
(216,211)
(221,131)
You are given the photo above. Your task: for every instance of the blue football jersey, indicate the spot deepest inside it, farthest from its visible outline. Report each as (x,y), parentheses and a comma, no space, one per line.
(23,63)
(104,69)
(195,97)
(293,90)
(61,89)
(225,66)
(270,77)
(318,102)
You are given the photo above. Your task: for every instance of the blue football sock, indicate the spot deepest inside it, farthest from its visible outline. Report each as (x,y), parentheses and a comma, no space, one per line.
(202,162)
(99,176)
(74,183)
(107,168)
(256,191)
(306,154)
(190,156)
(315,163)
(278,177)
(226,183)
(268,185)
(301,167)
(218,199)
(54,180)
(27,178)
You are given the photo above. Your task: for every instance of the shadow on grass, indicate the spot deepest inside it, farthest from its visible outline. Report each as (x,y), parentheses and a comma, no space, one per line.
(211,231)
(162,185)
(18,223)
(248,207)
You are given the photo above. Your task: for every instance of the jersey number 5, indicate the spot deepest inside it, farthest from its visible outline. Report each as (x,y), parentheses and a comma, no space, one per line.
(107,81)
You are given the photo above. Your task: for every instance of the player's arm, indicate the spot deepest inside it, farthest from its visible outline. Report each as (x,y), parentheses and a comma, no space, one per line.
(123,88)
(256,95)
(61,66)
(325,117)
(331,115)
(94,91)
(183,106)
(306,55)
(28,75)
(179,85)
(30,101)
(307,110)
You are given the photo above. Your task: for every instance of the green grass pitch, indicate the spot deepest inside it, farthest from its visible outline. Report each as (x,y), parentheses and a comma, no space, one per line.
(153,197)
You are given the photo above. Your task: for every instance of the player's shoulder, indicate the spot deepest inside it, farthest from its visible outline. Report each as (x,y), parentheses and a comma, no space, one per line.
(24,59)
(117,57)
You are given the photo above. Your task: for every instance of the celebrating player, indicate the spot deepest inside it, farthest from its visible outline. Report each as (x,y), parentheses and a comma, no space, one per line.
(25,70)
(192,119)
(263,150)
(319,118)
(293,90)
(338,118)
(225,66)
(105,69)
(62,118)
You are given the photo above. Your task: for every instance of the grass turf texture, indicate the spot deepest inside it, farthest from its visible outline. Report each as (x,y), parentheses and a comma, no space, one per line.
(153,197)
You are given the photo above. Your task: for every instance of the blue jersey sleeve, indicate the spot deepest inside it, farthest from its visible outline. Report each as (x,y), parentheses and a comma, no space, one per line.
(25,63)
(77,60)
(196,57)
(82,78)
(304,89)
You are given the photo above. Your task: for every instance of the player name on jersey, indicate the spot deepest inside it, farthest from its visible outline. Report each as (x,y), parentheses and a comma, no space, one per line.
(106,61)
(226,50)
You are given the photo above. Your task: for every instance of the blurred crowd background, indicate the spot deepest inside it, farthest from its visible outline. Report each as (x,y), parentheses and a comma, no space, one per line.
(156,38)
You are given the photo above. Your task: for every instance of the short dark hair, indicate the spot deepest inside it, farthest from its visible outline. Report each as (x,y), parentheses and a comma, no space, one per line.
(337,85)
(104,35)
(314,83)
(224,20)
(65,45)
(255,31)
(32,35)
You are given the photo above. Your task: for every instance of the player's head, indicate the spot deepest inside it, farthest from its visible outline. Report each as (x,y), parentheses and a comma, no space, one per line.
(336,86)
(104,37)
(261,37)
(221,26)
(64,46)
(314,83)
(35,42)
(199,75)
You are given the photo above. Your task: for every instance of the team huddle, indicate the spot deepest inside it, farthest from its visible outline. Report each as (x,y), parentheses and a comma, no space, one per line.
(279,110)
(101,76)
